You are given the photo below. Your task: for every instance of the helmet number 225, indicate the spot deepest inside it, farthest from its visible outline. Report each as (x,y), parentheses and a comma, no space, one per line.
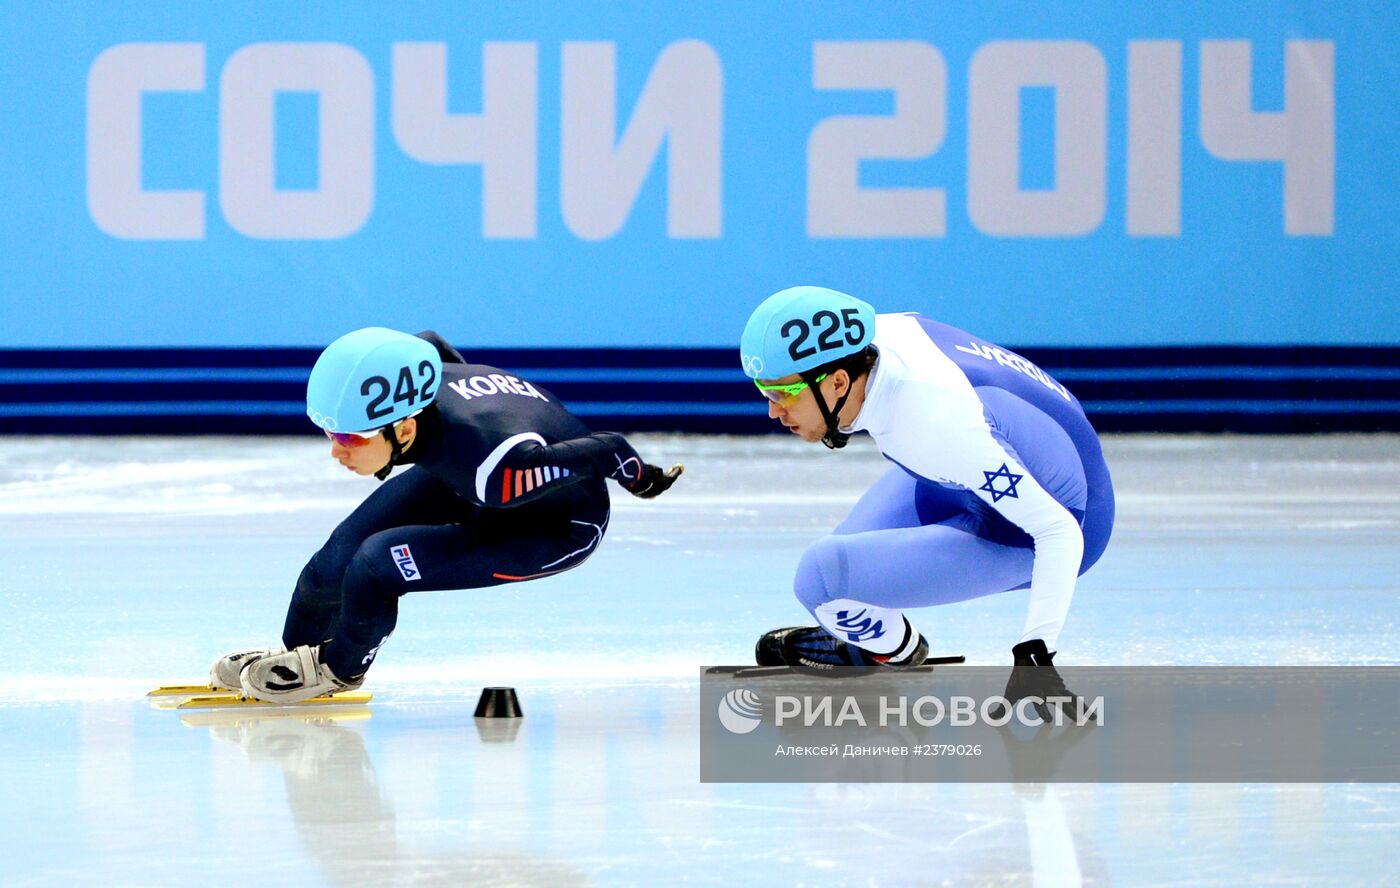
(828,325)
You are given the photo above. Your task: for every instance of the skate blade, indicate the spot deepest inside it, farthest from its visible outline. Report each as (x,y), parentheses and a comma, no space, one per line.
(203,690)
(214,701)
(760,671)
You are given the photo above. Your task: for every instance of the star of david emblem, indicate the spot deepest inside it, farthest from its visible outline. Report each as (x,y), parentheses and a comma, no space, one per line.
(1011,480)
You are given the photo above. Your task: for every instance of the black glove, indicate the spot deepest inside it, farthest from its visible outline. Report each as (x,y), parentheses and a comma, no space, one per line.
(1034,675)
(652,481)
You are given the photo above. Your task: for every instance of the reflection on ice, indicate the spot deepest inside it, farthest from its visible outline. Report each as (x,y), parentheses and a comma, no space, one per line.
(342,817)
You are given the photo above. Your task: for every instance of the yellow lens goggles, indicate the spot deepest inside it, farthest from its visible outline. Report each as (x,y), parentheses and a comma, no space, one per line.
(785,395)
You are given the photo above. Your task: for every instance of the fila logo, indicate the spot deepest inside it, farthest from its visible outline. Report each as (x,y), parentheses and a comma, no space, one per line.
(404,559)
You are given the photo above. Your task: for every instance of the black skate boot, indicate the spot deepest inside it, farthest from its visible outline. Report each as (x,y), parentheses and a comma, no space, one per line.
(812,650)
(769,650)
(1034,675)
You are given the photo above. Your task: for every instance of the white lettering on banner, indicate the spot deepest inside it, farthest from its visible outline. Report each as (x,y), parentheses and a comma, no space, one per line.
(116,82)
(681,109)
(922,714)
(930,711)
(1091,712)
(888,711)
(851,750)
(1026,713)
(850,712)
(962,711)
(341,202)
(680,105)
(787,707)
(1154,138)
(1301,136)
(806,750)
(996,202)
(918,77)
(502,138)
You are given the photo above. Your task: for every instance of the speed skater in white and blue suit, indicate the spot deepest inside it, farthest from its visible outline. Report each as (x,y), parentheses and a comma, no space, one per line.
(998,484)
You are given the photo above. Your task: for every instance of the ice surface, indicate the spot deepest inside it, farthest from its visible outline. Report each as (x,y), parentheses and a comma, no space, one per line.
(129,562)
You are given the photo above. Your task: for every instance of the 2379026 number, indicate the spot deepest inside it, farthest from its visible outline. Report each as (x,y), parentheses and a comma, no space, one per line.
(828,326)
(406,390)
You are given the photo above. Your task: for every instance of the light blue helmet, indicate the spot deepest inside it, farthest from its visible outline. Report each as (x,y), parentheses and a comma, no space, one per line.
(804,327)
(371,378)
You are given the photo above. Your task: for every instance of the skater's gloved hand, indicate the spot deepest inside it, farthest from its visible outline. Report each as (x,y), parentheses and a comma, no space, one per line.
(1034,675)
(652,481)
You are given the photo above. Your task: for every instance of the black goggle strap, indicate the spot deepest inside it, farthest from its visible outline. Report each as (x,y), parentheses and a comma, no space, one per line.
(390,433)
(834,437)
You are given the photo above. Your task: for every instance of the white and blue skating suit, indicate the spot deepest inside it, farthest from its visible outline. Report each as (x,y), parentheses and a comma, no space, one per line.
(1000,485)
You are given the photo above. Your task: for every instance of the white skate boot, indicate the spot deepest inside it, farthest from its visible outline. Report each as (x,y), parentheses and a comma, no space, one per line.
(224,673)
(292,676)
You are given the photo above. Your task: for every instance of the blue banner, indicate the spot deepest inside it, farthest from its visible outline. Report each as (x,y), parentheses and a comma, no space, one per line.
(641,174)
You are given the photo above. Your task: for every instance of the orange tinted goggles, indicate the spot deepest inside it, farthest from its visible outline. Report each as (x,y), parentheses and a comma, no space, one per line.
(352,439)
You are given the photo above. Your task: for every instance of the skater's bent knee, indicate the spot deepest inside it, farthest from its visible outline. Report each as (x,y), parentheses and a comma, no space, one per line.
(313,588)
(821,574)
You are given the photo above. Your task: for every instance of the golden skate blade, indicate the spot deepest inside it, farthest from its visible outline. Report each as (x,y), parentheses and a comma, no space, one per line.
(211,701)
(203,690)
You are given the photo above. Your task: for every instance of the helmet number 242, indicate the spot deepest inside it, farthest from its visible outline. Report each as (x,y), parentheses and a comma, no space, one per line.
(405,390)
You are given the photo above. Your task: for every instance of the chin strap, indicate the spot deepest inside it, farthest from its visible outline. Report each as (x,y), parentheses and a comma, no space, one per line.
(834,438)
(396,451)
